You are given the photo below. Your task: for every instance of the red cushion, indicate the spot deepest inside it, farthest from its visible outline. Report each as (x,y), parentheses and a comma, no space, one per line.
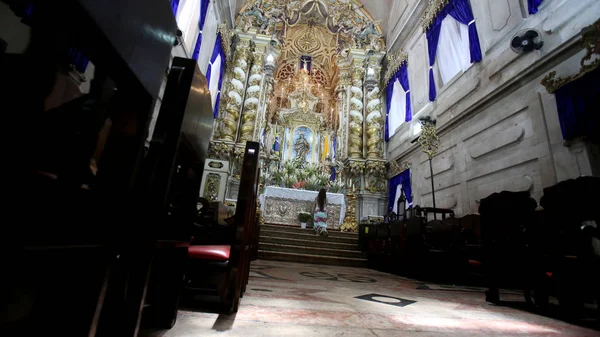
(474,263)
(215,253)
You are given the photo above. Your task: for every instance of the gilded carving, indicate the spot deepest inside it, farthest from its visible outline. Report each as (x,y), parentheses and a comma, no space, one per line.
(394,62)
(591,42)
(375,176)
(252,99)
(211,187)
(431,12)
(285,211)
(234,90)
(355,136)
(395,169)
(219,150)
(350,221)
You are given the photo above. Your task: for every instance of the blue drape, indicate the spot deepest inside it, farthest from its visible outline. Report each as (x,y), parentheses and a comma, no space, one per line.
(433,36)
(389,91)
(218,50)
(76,58)
(333,174)
(401,179)
(174,6)
(203,10)
(578,104)
(533,5)
(402,76)
(461,11)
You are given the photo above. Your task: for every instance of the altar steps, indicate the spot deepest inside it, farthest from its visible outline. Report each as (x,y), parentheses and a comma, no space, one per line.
(294,244)
(309,234)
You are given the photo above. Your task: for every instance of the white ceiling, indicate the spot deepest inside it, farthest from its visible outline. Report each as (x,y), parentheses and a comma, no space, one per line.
(379,10)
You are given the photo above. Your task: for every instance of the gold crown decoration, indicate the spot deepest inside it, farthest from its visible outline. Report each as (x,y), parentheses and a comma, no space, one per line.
(431,12)
(591,42)
(394,62)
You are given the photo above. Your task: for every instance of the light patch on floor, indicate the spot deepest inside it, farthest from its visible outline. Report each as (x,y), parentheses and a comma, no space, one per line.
(291,299)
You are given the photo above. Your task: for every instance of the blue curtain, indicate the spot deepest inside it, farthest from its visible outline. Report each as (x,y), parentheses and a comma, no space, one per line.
(76,58)
(402,76)
(461,11)
(401,179)
(218,50)
(533,5)
(174,6)
(389,91)
(203,10)
(433,36)
(578,104)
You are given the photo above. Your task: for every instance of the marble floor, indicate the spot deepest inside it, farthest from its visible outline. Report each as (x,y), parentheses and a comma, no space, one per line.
(290,299)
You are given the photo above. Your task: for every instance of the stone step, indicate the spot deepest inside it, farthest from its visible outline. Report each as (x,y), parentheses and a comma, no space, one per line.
(274,247)
(307,236)
(294,229)
(310,258)
(306,243)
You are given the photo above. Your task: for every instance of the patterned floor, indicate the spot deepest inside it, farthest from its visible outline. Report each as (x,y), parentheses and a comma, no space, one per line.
(289,299)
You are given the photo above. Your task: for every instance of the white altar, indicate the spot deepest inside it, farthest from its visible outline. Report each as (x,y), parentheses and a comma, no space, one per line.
(282,205)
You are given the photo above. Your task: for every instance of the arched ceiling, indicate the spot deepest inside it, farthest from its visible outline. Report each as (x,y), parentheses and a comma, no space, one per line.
(379,10)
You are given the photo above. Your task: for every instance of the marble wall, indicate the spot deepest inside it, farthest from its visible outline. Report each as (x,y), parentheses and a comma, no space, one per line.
(498,126)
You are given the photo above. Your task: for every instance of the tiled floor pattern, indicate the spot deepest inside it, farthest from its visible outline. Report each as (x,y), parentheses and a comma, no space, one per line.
(290,299)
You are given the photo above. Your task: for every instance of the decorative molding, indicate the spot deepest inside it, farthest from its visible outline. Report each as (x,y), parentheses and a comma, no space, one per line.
(433,9)
(395,168)
(591,42)
(226,37)
(394,62)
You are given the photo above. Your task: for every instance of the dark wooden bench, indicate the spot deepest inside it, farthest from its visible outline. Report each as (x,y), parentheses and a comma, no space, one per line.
(227,265)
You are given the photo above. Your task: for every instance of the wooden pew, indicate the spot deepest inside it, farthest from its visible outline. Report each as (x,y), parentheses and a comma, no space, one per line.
(505,218)
(229,264)
(91,266)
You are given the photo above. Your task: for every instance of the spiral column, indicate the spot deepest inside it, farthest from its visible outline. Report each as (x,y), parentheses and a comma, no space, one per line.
(235,91)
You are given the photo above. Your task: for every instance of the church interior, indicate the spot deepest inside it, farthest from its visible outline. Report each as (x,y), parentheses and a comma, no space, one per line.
(300,167)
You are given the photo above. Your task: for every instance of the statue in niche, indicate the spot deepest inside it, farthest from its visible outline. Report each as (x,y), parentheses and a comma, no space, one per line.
(301,147)
(320,107)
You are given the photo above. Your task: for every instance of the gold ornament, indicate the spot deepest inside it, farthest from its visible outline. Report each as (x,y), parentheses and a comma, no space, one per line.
(429,140)
(591,42)
(350,223)
(433,9)
(394,62)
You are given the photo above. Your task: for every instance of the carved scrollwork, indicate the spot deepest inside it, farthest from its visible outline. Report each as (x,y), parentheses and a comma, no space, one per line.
(218,150)
(394,62)
(591,42)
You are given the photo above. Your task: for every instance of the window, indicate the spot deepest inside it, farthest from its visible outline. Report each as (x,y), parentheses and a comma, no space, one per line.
(188,17)
(397,108)
(453,54)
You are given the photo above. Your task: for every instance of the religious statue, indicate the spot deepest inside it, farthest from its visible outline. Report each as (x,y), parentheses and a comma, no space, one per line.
(302,147)
(364,35)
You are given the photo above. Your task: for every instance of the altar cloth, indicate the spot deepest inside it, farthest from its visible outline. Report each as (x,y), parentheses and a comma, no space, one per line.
(282,205)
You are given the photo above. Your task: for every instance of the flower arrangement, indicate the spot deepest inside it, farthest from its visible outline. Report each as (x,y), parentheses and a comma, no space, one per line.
(308,177)
(304,217)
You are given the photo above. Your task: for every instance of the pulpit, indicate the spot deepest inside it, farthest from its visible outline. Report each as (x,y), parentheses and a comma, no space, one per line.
(282,205)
